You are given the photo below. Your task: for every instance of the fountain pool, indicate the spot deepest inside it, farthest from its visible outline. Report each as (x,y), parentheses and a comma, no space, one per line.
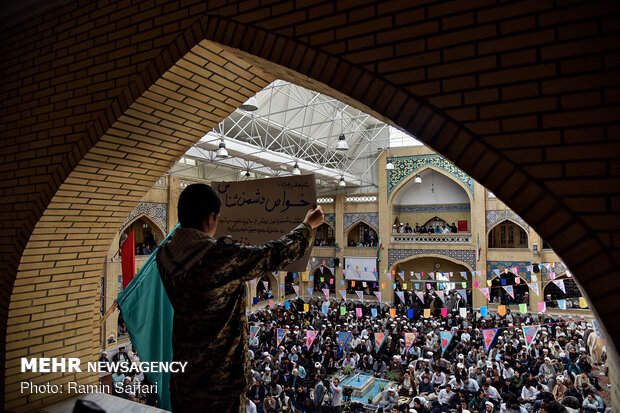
(364,386)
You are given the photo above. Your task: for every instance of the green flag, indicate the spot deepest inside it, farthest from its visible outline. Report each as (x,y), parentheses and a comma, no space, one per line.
(148,316)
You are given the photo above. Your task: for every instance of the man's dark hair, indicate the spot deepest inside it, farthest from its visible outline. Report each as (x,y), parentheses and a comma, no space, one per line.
(197,202)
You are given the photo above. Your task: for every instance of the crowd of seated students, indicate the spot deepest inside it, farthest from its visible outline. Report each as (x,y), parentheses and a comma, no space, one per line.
(557,373)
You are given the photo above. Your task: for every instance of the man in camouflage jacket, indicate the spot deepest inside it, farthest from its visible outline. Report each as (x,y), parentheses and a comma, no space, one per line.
(205,282)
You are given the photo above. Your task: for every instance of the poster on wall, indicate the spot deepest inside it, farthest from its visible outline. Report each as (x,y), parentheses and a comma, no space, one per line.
(462,226)
(261,210)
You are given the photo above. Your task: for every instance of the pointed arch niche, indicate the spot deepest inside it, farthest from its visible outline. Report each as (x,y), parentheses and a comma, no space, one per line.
(438,194)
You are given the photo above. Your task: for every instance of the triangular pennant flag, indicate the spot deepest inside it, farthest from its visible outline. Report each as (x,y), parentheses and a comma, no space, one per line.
(360,294)
(282,289)
(445,337)
(542,307)
(389,276)
(547,265)
(401,295)
(463,293)
(464,274)
(373,312)
(552,275)
(310,336)
(523,308)
(410,340)
(309,289)
(280,333)
(534,287)
(402,275)
(418,276)
(420,295)
(485,291)
(562,304)
(254,331)
(379,339)
(326,292)
(378,294)
(321,268)
(488,335)
(510,290)
(296,288)
(343,293)
(432,275)
(343,338)
(530,333)
(560,285)
(440,294)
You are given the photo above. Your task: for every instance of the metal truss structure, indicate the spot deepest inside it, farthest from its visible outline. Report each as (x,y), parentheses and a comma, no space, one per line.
(294,125)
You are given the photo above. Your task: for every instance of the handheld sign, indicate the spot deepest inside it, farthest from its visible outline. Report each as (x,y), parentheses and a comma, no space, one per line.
(258,211)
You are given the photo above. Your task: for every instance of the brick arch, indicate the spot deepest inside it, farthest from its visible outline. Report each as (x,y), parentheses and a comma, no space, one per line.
(541,84)
(355,224)
(148,218)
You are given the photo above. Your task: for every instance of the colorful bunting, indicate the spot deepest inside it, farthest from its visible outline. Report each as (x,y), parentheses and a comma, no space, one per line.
(485,291)
(510,290)
(280,333)
(582,302)
(296,288)
(444,312)
(410,313)
(358,311)
(410,340)
(393,312)
(325,308)
(484,311)
(445,337)
(309,289)
(373,312)
(523,308)
(530,333)
(401,295)
(378,294)
(560,285)
(343,338)
(326,292)
(310,336)
(379,339)
(562,304)
(534,287)
(343,310)
(427,312)
(254,331)
(441,296)
(420,295)
(463,293)
(488,335)
(501,310)
(542,307)
(360,294)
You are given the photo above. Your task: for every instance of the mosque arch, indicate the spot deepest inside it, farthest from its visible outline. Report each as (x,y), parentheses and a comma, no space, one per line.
(360,224)
(507,234)
(328,276)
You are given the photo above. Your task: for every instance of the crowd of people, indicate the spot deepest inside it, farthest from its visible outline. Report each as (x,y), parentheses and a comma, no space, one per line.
(557,372)
(404,228)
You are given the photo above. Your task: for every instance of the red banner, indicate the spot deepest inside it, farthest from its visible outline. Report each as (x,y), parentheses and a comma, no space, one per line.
(128,258)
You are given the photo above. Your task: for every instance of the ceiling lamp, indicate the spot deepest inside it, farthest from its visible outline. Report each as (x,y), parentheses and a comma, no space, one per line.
(247,174)
(342,183)
(250,105)
(417,179)
(296,170)
(389,165)
(221,151)
(342,144)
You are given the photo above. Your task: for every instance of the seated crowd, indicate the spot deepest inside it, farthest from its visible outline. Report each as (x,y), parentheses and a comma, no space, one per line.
(557,373)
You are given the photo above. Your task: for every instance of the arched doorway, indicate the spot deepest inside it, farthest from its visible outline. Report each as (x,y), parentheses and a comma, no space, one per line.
(264,288)
(325,236)
(361,235)
(147,235)
(447,277)
(507,234)
(324,278)
(499,295)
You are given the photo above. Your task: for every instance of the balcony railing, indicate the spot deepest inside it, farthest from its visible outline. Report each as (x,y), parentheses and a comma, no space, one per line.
(432,238)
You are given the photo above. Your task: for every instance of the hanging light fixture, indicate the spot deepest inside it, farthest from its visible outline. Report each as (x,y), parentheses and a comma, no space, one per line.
(250,105)
(417,179)
(296,170)
(389,165)
(221,151)
(342,183)
(247,174)
(342,143)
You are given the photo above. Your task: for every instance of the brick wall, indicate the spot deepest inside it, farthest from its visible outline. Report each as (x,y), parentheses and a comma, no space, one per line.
(100,98)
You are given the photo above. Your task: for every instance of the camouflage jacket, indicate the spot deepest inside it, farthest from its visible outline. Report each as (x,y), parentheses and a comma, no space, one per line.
(205,282)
